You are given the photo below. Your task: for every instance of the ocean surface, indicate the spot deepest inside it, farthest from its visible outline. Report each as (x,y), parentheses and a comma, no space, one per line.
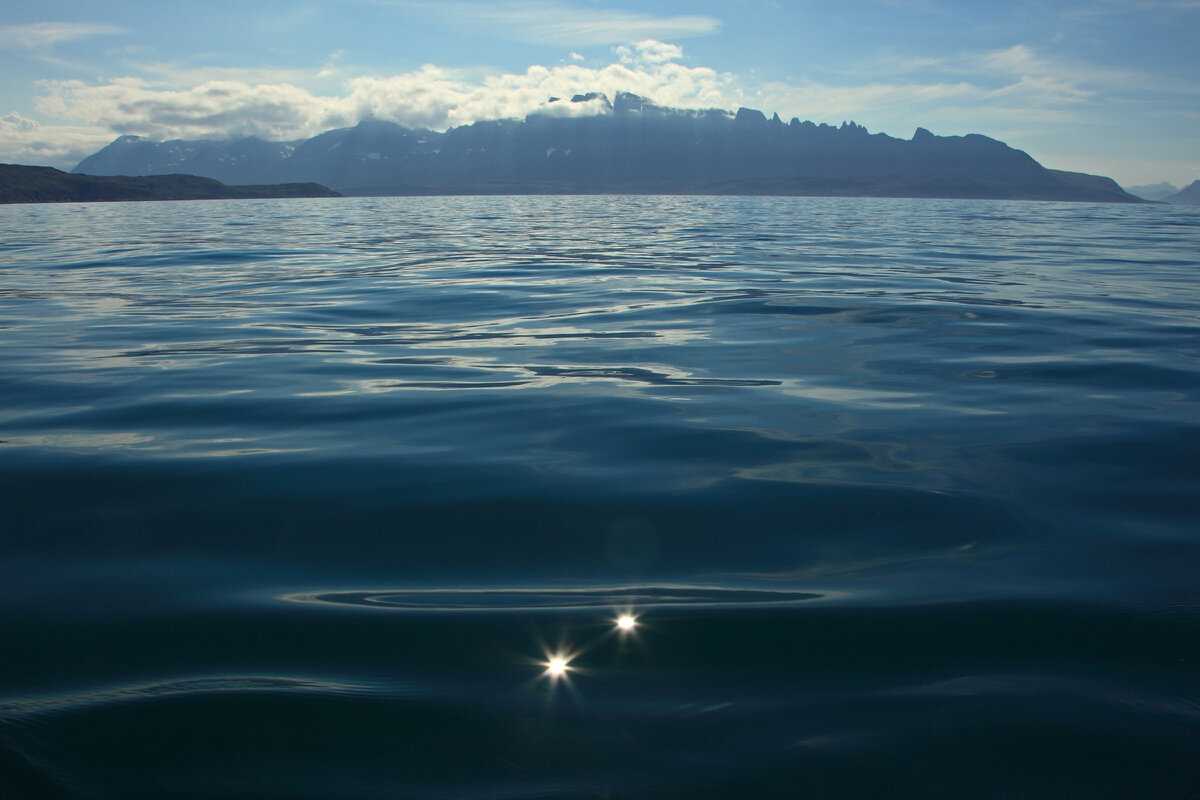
(343,498)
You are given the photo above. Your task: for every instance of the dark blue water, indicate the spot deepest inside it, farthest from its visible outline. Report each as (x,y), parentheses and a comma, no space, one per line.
(301,499)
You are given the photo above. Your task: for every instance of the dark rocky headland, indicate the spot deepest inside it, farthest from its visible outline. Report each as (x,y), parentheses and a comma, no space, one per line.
(22,184)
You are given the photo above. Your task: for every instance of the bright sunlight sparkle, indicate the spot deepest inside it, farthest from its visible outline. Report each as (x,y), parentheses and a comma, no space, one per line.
(556,667)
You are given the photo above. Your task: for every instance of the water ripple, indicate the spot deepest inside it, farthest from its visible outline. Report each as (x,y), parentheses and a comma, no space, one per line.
(641,597)
(179,687)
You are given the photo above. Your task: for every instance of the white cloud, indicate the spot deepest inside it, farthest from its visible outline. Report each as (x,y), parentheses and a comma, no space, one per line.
(213,108)
(1015,94)
(16,124)
(996,93)
(583,108)
(555,23)
(438,98)
(649,51)
(432,97)
(24,141)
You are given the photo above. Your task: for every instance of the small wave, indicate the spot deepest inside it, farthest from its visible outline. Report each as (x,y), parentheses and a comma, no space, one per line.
(173,688)
(642,597)
(640,375)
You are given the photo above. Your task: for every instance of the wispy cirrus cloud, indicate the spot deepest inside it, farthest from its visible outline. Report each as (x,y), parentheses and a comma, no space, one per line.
(41,37)
(554,23)
(877,99)
(1027,75)
(1100,8)
(999,87)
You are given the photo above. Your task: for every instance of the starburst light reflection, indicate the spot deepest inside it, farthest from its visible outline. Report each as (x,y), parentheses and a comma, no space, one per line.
(557,666)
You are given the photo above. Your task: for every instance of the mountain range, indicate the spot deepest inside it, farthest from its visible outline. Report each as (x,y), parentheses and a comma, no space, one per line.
(630,145)
(1187,196)
(1152,191)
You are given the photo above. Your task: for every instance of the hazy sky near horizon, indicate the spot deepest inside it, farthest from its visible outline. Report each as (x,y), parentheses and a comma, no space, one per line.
(1108,86)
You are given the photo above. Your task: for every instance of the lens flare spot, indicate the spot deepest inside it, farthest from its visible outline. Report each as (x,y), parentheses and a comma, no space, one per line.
(557,667)
(626,623)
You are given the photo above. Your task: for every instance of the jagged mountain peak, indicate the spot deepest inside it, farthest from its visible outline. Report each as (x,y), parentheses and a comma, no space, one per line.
(628,102)
(750,116)
(590,97)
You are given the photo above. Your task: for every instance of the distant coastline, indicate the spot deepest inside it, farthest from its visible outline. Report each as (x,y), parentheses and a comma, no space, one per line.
(889,186)
(26,184)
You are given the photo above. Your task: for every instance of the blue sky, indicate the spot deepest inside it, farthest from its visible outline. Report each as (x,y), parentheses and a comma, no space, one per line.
(1109,86)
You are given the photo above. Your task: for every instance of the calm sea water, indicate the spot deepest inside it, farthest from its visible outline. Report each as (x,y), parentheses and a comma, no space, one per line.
(300,499)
